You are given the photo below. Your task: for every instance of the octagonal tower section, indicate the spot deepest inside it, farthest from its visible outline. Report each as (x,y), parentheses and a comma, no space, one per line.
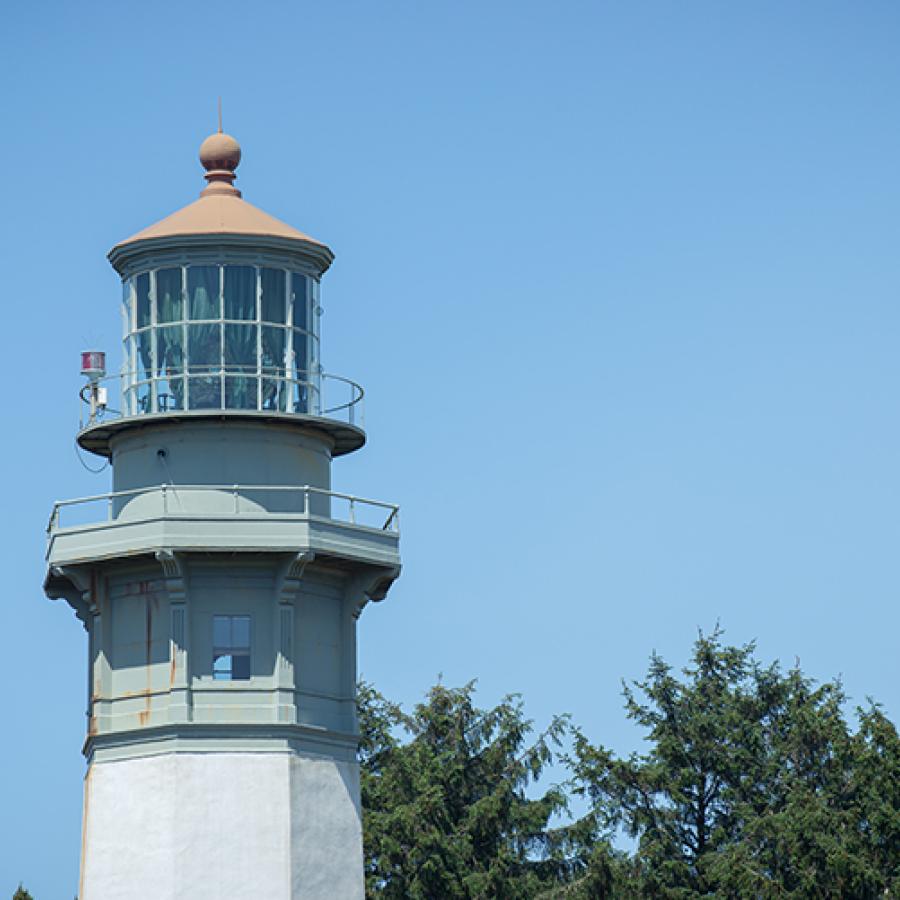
(221,579)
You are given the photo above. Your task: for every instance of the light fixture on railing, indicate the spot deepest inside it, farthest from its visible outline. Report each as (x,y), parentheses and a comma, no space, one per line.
(93,364)
(93,367)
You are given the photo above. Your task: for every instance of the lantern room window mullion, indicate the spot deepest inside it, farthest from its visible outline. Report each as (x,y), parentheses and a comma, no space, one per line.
(259,354)
(153,343)
(221,337)
(290,370)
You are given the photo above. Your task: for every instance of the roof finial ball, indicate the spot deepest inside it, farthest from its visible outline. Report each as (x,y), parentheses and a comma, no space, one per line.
(220,155)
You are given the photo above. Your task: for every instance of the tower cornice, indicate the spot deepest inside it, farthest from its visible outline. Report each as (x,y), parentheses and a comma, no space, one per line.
(131,257)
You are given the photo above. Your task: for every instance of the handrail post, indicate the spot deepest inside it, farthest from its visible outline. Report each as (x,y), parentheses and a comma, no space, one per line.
(234,489)
(165,500)
(352,511)
(391,521)
(306,500)
(109,508)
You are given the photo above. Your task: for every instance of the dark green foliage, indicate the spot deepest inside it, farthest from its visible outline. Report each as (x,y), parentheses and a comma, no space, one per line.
(754,786)
(447,809)
(21,894)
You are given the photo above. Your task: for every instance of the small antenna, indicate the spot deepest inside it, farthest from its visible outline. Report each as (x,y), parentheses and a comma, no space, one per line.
(220,114)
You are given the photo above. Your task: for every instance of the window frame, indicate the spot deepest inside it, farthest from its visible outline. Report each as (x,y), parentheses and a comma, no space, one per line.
(232,649)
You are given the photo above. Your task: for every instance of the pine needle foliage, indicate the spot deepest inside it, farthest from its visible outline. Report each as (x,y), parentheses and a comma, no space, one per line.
(448,810)
(754,785)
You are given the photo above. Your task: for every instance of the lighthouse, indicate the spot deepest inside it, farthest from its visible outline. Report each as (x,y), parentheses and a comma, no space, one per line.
(221,578)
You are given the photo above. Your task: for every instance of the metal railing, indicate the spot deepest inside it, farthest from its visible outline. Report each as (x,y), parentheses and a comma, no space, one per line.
(217,388)
(177,500)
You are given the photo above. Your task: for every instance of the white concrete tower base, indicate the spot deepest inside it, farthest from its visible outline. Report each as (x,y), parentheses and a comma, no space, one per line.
(203,826)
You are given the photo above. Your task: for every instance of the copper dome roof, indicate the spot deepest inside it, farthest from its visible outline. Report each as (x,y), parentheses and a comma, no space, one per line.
(220,210)
(220,214)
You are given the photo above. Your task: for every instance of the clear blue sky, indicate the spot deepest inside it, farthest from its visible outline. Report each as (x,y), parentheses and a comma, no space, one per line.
(622,282)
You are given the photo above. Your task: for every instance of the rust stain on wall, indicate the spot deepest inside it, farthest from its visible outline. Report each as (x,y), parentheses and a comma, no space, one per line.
(149,635)
(144,715)
(133,695)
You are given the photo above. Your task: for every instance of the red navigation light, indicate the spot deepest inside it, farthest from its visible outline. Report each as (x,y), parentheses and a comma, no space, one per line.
(93,364)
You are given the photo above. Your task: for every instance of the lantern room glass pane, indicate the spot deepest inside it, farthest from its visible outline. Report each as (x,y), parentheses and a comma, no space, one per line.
(144,360)
(128,305)
(240,292)
(205,358)
(274,394)
(203,292)
(299,300)
(170,368)
(301,354)
(274,389)
(240,347)
(273,346)
(170,394)
(205,392)
(143,397)
(170,350)
(204,347)
(241,392)
(128,366)
(142,287)
(169,298)
(272,284)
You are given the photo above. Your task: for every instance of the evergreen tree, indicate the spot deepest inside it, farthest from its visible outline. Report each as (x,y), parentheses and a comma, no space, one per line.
(448,810)
(21,894)
(754,785)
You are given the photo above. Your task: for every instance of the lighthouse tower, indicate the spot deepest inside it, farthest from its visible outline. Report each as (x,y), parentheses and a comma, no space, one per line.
(221,579)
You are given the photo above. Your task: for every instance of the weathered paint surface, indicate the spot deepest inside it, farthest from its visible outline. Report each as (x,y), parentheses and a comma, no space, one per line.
(302,662)
(202,826)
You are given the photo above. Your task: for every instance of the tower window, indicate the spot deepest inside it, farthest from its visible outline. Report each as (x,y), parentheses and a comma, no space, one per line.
(231,648)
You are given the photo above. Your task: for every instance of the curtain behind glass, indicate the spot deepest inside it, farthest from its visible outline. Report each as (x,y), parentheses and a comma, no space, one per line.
(144,362)
(128,306)
(203,292)
(170,367)
(305,388)
(298,296)
(274,389)
(240,292)
(142,286)
(169,303)
(272,283)
(204,341)
(240,356)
